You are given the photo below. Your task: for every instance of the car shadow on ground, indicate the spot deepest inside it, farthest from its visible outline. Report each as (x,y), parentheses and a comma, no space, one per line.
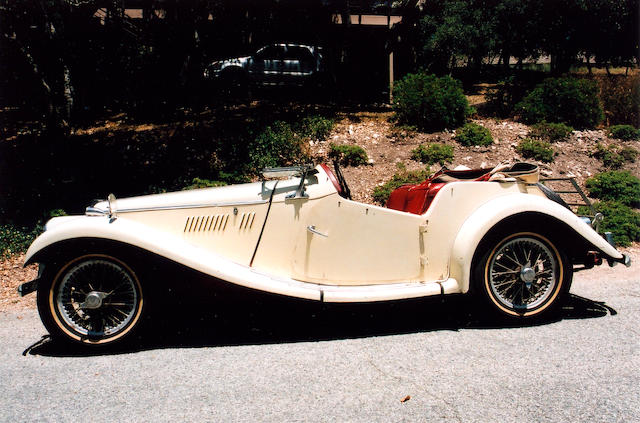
(246,317)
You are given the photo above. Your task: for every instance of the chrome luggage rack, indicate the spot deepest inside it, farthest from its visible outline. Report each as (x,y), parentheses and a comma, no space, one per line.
(569,193)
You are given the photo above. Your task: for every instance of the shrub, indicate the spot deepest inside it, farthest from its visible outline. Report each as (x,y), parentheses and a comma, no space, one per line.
(621,220)
(430,103)
(277,145)
(613,157)
(16,239)
(629,154)
(316,127)
(620,96)
(433,153)
(536,149)
(568,100)
(608,156)
(502,99)
(614,185)
(624,132)
(474,134)
(552,132)
(197,183)
(402,177)
(348,155)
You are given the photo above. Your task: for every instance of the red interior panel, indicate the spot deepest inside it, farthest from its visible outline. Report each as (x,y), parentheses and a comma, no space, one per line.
(417,198)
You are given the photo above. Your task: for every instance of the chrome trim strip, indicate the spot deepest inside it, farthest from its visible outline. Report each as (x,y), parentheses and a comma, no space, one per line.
(192,206)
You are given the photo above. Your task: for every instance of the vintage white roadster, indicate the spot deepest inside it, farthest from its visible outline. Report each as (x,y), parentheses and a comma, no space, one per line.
(498,234)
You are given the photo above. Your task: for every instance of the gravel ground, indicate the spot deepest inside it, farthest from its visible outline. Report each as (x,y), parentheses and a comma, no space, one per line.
(371,364)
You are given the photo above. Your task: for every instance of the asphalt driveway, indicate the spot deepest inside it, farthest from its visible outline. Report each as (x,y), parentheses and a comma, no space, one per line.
(410,361)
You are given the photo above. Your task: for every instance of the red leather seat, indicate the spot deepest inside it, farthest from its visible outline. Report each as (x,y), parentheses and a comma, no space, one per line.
(417,198)
(414,199)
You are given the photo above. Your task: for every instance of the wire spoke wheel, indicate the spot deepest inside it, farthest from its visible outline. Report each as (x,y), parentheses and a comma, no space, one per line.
(523,274)
(95,299)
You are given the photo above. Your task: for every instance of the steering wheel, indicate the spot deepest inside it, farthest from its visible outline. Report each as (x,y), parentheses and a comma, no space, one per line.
(337,179)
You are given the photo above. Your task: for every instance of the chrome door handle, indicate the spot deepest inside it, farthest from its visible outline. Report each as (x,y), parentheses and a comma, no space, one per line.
(312,229)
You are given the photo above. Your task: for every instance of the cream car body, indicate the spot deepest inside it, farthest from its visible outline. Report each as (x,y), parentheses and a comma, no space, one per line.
(305,240)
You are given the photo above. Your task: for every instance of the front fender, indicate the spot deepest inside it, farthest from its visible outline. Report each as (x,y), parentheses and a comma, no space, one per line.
(478,224)
(166,245)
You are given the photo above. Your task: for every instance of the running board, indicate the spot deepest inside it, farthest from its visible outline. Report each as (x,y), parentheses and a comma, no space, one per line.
(387,292)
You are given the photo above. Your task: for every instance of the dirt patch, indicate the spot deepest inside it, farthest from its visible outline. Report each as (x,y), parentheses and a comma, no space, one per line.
(13,274)
(387,145)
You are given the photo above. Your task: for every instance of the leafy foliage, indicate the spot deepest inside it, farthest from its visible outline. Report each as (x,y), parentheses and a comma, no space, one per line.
(614,157)
(620,186)
(433,153)
(197,183)
(620,98)
(536,149)
(277,145)
(567,100)
(624,132)
(402,177)
(316,127)
(621,220)
(474,134)
(348,155)
(16,239)
(552,132)
(503,97)
(430,103)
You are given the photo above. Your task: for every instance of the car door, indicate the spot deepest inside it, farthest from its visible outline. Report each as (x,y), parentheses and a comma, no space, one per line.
(343,242)
(298,64)
(267,65)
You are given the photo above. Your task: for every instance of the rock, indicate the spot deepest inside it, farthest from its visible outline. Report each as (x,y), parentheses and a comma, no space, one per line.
(483,165)
(371,162)
(350,129)
(375,135)
(545,172)
(493,147)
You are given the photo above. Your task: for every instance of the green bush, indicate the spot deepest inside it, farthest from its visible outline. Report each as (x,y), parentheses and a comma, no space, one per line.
(624,132)
(608,156)
(277,145)
(316,127)
(474,134)
(536,149)
(430,103)
(502,99)
(614,157)
(197,183)
(348,155)
(402,177)
(629,154)
(615,185)
(16,239)
(567,100)
(433,153)
(552,132)
(621,220)
(620,96)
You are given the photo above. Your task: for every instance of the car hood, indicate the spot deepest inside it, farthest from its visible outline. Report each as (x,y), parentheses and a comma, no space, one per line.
(244,193)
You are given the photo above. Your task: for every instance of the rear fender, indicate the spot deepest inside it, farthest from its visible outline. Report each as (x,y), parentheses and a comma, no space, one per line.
(523,206)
